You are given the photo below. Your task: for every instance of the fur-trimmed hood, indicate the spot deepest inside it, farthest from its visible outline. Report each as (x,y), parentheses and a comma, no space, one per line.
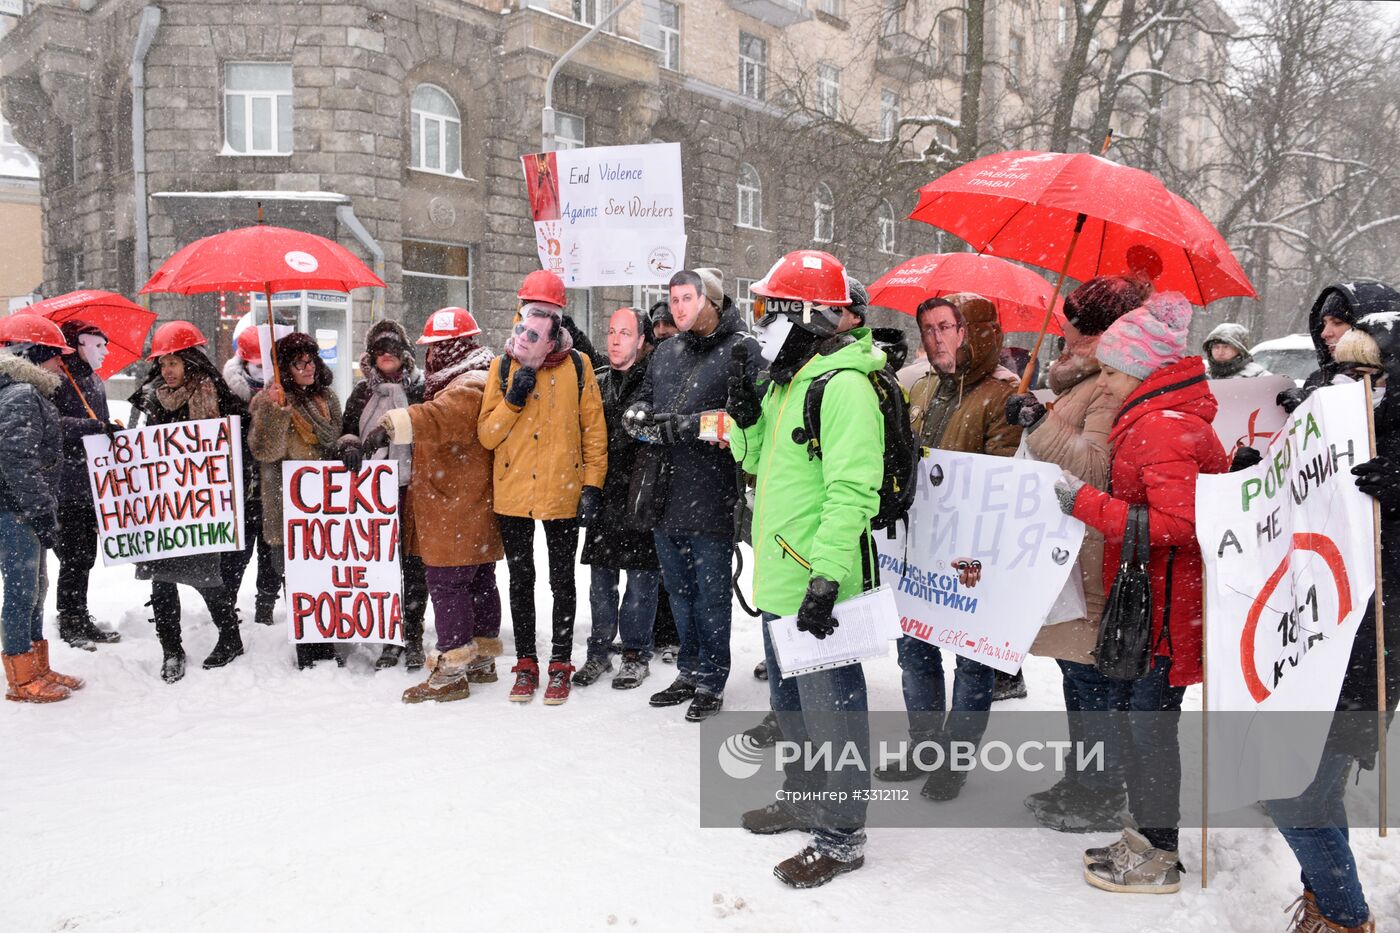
(18,369)
(240,383)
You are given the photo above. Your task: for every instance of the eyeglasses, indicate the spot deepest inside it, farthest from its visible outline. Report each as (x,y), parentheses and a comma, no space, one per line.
(531,336)
(304,362)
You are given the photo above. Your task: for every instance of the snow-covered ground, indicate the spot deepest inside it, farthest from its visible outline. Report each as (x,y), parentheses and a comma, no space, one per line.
(257,798)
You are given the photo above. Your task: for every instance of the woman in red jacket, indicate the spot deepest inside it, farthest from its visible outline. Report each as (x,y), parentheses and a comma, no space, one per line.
(1161,440)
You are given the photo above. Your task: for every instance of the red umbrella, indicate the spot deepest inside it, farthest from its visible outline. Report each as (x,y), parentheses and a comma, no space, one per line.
(264,259)
(1020,295)
(125,323)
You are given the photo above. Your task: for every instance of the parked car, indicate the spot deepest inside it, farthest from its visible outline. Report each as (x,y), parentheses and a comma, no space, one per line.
(1293,356)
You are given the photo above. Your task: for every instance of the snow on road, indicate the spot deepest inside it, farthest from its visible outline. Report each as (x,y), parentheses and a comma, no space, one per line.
(258,798)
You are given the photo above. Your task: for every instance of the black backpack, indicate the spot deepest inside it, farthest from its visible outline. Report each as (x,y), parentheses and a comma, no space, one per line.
(901,451)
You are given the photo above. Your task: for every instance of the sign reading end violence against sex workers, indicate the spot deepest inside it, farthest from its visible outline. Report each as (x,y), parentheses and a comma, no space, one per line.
(341,541)
(986,554)
(608,215)
(167,490)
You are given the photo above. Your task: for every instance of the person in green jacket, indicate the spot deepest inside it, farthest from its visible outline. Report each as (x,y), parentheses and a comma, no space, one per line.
(811,531)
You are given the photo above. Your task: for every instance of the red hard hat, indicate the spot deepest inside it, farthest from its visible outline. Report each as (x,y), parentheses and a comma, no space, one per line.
(31,328)
(449,324)
(806,275)
(174,336)
(543,285)
(249,345)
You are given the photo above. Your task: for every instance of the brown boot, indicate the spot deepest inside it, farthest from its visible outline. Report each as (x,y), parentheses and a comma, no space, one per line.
(41,652)
(1308,919)
(810,869)
(447,679)
(483,669)
(26,686)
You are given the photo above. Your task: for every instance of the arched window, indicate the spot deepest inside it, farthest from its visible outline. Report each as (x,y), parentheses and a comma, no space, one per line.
(436,132)
(823,214)
(886,222)
(750,192)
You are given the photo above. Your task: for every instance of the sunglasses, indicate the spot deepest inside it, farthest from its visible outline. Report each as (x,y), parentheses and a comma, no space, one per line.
(531,336)
(767,307)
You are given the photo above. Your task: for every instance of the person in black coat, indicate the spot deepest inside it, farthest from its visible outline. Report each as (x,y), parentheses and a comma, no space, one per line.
(1336,311)
(615,543)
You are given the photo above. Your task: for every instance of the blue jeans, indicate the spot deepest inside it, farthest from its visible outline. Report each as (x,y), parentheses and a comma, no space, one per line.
(1090,693)
(824,706)
(25,573)
(1153,761)
(635,617)
(1315,825)
(696,571)
(927,701)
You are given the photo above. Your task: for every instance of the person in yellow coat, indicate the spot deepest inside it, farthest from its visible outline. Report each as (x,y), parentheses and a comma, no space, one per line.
(542,415)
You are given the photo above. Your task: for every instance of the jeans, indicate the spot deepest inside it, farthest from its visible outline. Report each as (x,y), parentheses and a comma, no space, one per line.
(696,570)
(561,541)
(926,699)
(1315,825)
(76,548)
(1153,761)
(635,617)
(233,564)
(25,572)
(466,603)
(825,706)
(1091,693)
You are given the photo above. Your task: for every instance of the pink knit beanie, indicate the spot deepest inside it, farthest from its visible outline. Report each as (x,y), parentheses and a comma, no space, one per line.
(1148,338)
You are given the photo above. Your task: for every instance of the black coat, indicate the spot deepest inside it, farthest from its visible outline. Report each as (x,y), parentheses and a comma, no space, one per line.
(690,374)
(30,441)
(1360,299)
(77,424)
(610,541)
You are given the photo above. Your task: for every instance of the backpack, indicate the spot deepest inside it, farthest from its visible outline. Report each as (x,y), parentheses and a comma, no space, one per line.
(901,450)
(573,355)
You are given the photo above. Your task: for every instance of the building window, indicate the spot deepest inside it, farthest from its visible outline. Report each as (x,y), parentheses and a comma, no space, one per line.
(435,275)
(569,131)
(753,66)
(891,17)
(750,189)
(70,271)
(588,12)
(581,309)
(436,132)
(743,299)
(829,90)
(1016,59)
(257,109)
(661,29)
(889,114)
(644,296)
(886,223)
(950,45)
(831,7)
(1066,21)
(823,214)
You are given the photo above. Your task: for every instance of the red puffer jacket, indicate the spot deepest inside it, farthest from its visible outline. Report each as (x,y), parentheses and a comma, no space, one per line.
(1161,440)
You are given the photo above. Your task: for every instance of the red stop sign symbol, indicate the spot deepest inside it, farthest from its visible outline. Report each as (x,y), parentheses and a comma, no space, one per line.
(1325,548)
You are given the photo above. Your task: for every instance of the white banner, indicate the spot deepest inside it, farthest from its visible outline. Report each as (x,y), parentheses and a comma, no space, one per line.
(1248,413)
(341,543)
(987,552)
(167,490)
(611,215)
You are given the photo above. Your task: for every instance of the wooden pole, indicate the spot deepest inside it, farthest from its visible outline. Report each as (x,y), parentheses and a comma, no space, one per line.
(1205,729)
(1380,623)
(1050,308)
(74,383)
(271,331)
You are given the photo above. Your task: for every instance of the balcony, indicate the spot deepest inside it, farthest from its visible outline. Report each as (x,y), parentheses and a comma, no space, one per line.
(774,12)
(609,60)
(905,57)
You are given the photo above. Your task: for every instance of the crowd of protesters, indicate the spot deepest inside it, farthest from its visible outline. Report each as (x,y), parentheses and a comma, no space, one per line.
(490,444)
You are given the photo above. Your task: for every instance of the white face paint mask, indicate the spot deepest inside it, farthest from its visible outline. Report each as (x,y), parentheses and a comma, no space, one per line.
(93,348)
(771,334)
(255,371)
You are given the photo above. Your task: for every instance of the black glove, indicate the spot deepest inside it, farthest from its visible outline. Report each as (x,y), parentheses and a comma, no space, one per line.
(676,428)
(520,385)
(1290,399)
(46,530)
(1380,479)
(1244,458)
(374,440)
(589,505)
(744,405)
(352,455)
(111,428)
(815,616)
(1024,410)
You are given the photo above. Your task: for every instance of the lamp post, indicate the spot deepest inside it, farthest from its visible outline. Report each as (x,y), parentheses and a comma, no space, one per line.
(547,115)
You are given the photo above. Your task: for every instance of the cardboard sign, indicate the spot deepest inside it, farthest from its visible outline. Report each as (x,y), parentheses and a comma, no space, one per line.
(610,215)
(167,490)
(1248,411)
(341,543)
(986,554)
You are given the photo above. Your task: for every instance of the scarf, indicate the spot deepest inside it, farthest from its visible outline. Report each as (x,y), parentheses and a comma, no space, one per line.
(560,354)
(197,391)
(450,360)
(1075,365)
(386,394)
(311,419)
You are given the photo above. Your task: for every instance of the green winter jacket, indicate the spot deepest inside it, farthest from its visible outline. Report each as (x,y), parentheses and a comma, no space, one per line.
(810,514)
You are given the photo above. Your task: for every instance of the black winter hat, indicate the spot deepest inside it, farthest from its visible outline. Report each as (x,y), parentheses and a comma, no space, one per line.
(388,336)
(288,349)
(1096,304)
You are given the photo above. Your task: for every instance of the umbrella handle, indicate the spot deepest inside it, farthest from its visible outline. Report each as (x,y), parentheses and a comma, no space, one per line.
(81,397)
(1050,308)
(272,327)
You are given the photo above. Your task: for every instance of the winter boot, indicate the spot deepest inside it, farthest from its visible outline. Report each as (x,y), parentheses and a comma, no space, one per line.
(83,626)
(1081,809)
(943,785)
(703,707)
(228,647)
(772,819)
(669,653)
(388,657)
(767,733)
(262,609)
(1308,919)
(811,869)
(592,669)
(1009,687)
(1051,797)
(634,670)
(413,656)
(172,665)
(72,630)
(906,768)
(25,683)
(527,680)
(557,691)
(760,670)
(1114,850)
(447,679)
(674,695)
(483,669)
(1136,868)
(41,652)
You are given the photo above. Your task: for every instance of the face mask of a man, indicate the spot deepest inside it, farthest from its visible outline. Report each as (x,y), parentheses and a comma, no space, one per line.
(93,349)
(531,341)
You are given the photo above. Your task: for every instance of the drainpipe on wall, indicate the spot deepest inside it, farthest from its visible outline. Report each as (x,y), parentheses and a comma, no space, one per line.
(547,115)
(145,35)
(346,215)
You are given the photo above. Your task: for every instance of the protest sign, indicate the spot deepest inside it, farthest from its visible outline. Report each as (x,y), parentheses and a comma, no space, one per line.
(341,540)
(167,490)
(610,215)
(986,553)
(1248,412)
